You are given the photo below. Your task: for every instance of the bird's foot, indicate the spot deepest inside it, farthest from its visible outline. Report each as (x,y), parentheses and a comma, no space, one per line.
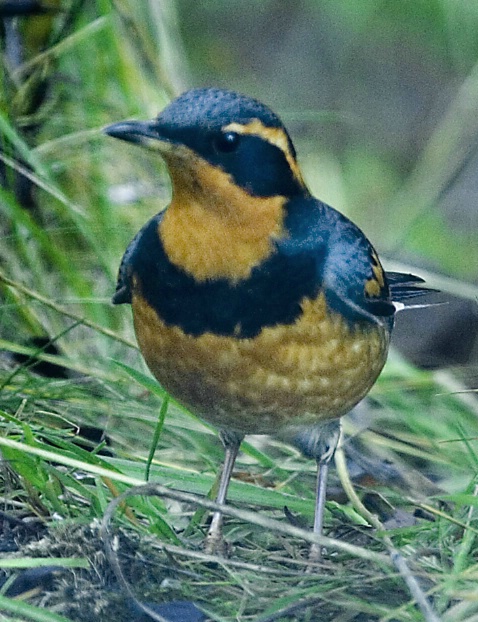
(214,544)
(315,553)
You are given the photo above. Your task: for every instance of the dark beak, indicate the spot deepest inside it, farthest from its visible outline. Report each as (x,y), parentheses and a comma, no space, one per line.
(138,132)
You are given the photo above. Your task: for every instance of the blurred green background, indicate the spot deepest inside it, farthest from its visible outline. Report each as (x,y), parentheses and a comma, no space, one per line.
(381,100)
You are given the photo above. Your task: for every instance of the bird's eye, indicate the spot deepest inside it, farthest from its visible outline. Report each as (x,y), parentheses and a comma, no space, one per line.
(226,142)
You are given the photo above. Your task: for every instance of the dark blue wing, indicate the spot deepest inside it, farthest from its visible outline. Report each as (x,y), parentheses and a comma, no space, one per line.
(347,266)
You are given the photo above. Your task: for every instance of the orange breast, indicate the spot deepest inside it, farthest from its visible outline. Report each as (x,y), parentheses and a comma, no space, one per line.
(313,370)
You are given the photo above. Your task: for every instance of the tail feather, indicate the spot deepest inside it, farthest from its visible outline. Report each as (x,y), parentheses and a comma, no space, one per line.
(406,286)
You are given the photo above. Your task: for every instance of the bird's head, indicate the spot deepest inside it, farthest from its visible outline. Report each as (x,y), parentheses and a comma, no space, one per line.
(233,170)
(210,131)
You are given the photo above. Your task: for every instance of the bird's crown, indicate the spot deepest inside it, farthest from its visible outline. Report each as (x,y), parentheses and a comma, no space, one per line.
(213,108)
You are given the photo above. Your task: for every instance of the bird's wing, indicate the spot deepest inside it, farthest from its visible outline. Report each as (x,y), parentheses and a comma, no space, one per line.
(347,266)
(348,270)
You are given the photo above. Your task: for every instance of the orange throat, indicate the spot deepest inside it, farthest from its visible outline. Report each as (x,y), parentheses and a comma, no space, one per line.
(213,228)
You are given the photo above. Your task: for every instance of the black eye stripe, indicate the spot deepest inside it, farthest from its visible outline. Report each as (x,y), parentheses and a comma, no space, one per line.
(226,142)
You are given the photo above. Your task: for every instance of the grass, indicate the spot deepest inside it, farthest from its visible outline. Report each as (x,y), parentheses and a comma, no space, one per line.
(109,61)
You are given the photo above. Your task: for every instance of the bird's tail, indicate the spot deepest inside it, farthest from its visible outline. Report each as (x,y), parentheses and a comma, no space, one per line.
(404,287)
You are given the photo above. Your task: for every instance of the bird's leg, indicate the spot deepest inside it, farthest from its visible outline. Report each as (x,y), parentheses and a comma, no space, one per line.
(321,490)
(318,442)
(231,440)
(325,447)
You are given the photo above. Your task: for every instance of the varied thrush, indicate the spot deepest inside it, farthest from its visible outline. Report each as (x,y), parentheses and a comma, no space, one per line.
(257,306)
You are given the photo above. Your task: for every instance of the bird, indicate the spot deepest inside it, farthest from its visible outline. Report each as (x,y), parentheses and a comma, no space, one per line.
(257,306)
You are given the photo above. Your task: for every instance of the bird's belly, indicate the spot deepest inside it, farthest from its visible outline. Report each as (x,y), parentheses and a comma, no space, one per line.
(310,371)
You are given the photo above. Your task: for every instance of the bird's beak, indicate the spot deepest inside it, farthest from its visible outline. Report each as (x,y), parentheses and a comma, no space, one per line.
(143,133)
